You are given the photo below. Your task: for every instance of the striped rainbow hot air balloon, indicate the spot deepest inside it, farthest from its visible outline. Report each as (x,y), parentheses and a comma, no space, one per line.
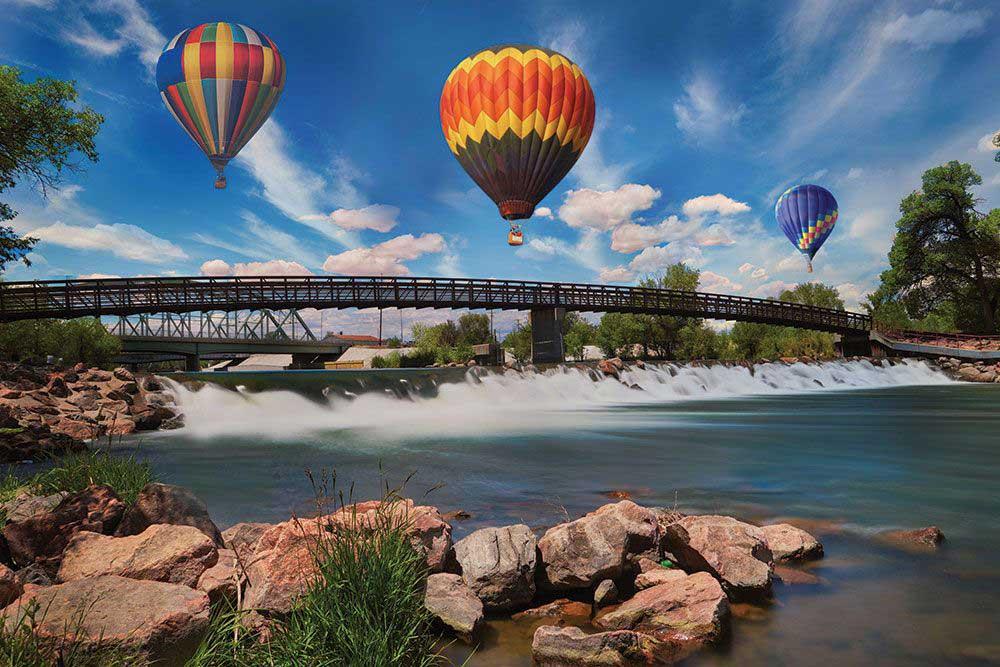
(220,81)
(517,118)
(807,215)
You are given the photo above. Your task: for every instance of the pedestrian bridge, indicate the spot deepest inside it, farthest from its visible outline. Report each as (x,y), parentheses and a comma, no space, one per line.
(546,301)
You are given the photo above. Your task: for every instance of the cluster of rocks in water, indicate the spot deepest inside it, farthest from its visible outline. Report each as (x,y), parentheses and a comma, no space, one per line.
(980,371)
(51,411)
(622,585)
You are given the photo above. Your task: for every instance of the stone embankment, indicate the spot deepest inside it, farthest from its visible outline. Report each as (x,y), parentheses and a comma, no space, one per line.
(46,411)
(968,371)
(622,585)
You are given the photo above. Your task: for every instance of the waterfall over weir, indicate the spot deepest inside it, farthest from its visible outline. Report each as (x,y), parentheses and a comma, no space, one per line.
(401,404)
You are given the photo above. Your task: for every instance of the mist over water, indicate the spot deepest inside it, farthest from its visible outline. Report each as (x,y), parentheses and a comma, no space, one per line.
(489,402)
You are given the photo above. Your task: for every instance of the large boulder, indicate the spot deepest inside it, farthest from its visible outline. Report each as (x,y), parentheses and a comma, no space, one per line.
(242,538)
(10,587)
(26,505)
(283,564)
(788,543)
(734,552)
(168,504)
(43,537)
(454,604)
(165,622)
(174,554)
(571,647)
(498,564)
(221,581)
(598,546)
(689,611)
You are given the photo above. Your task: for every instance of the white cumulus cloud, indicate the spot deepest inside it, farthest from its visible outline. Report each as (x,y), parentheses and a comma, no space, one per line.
(717,203)
(605,210)
(617,274)
(386,258)
(378,217)
(273,267)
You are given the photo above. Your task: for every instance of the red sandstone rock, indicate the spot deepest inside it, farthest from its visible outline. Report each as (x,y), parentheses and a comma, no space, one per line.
(581,553)
(572,647)
(220,580)
(282,565)
(692,610)
(789,543)
(454,604)
(165,622)
(43,538)
(498,564)
(734,552)
(10,588)
(174,554)
(169,504)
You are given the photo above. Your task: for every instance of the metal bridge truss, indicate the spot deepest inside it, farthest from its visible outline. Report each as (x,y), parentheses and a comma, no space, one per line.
(261,325)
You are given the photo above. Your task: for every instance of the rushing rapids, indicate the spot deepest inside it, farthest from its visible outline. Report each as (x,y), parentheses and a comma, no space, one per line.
(482,401)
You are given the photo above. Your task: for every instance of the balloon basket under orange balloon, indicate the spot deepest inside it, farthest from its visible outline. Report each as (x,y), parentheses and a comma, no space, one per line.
(220,183)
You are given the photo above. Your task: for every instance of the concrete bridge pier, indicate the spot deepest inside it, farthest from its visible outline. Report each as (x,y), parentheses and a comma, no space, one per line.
(546,335)
(854,345)
(192,363)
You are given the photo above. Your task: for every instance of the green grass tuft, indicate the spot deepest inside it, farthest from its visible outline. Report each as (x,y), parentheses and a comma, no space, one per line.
(127,475)
(365,607)
(20,646)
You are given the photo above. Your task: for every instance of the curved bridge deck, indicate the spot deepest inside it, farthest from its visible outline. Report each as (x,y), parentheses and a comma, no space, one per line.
(129,296)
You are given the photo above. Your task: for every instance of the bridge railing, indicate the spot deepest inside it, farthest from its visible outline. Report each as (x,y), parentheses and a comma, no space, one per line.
(125,296)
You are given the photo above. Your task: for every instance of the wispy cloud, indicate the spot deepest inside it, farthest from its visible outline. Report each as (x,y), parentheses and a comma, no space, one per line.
(703,114)
(122,240)
(133,30)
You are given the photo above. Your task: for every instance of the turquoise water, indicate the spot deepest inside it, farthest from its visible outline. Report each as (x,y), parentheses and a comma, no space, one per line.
(856,461)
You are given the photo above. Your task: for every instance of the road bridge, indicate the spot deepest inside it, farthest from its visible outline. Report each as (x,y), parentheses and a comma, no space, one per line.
(545,301)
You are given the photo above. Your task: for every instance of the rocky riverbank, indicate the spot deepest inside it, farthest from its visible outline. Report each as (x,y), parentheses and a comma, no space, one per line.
(969,371)
(46,411)
(622,585)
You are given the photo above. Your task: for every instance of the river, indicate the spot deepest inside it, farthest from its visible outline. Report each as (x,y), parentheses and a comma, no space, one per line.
(855,447)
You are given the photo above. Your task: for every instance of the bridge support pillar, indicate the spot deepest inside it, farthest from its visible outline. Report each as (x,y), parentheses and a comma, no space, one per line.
(192,363)
(854,345)
(546,335)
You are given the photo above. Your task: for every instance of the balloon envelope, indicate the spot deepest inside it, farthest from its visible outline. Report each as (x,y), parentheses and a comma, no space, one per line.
(220,81)
(807,215)
(517,118)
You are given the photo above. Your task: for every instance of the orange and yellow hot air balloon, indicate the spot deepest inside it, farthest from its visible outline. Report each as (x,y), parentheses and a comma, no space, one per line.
(517,118)
(220,81)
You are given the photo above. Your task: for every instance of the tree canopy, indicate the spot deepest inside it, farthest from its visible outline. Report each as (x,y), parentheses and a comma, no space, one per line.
(945,258)
(42,133)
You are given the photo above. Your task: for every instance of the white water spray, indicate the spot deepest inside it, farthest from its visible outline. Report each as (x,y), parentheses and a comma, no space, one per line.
(517,403)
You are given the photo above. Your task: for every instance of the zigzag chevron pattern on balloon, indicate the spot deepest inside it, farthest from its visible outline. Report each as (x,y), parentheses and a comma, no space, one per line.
(517,118)
(522,89)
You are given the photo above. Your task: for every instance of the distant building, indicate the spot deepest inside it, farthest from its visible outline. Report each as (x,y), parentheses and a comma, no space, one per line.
(361,357)
(355,339)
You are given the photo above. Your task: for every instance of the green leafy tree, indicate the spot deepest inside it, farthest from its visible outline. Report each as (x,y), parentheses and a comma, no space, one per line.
(945,251)
(661,333)
(696,340)
(765,341)
(474,329)
(577,333)
(617,333)
(84,339)
(42,131)
(518,342)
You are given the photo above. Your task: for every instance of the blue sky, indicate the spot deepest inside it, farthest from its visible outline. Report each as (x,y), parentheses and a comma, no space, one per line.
(706,111)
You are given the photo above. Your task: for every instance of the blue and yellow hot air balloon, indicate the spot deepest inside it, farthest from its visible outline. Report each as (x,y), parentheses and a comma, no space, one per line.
(220,81)
(806,214)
